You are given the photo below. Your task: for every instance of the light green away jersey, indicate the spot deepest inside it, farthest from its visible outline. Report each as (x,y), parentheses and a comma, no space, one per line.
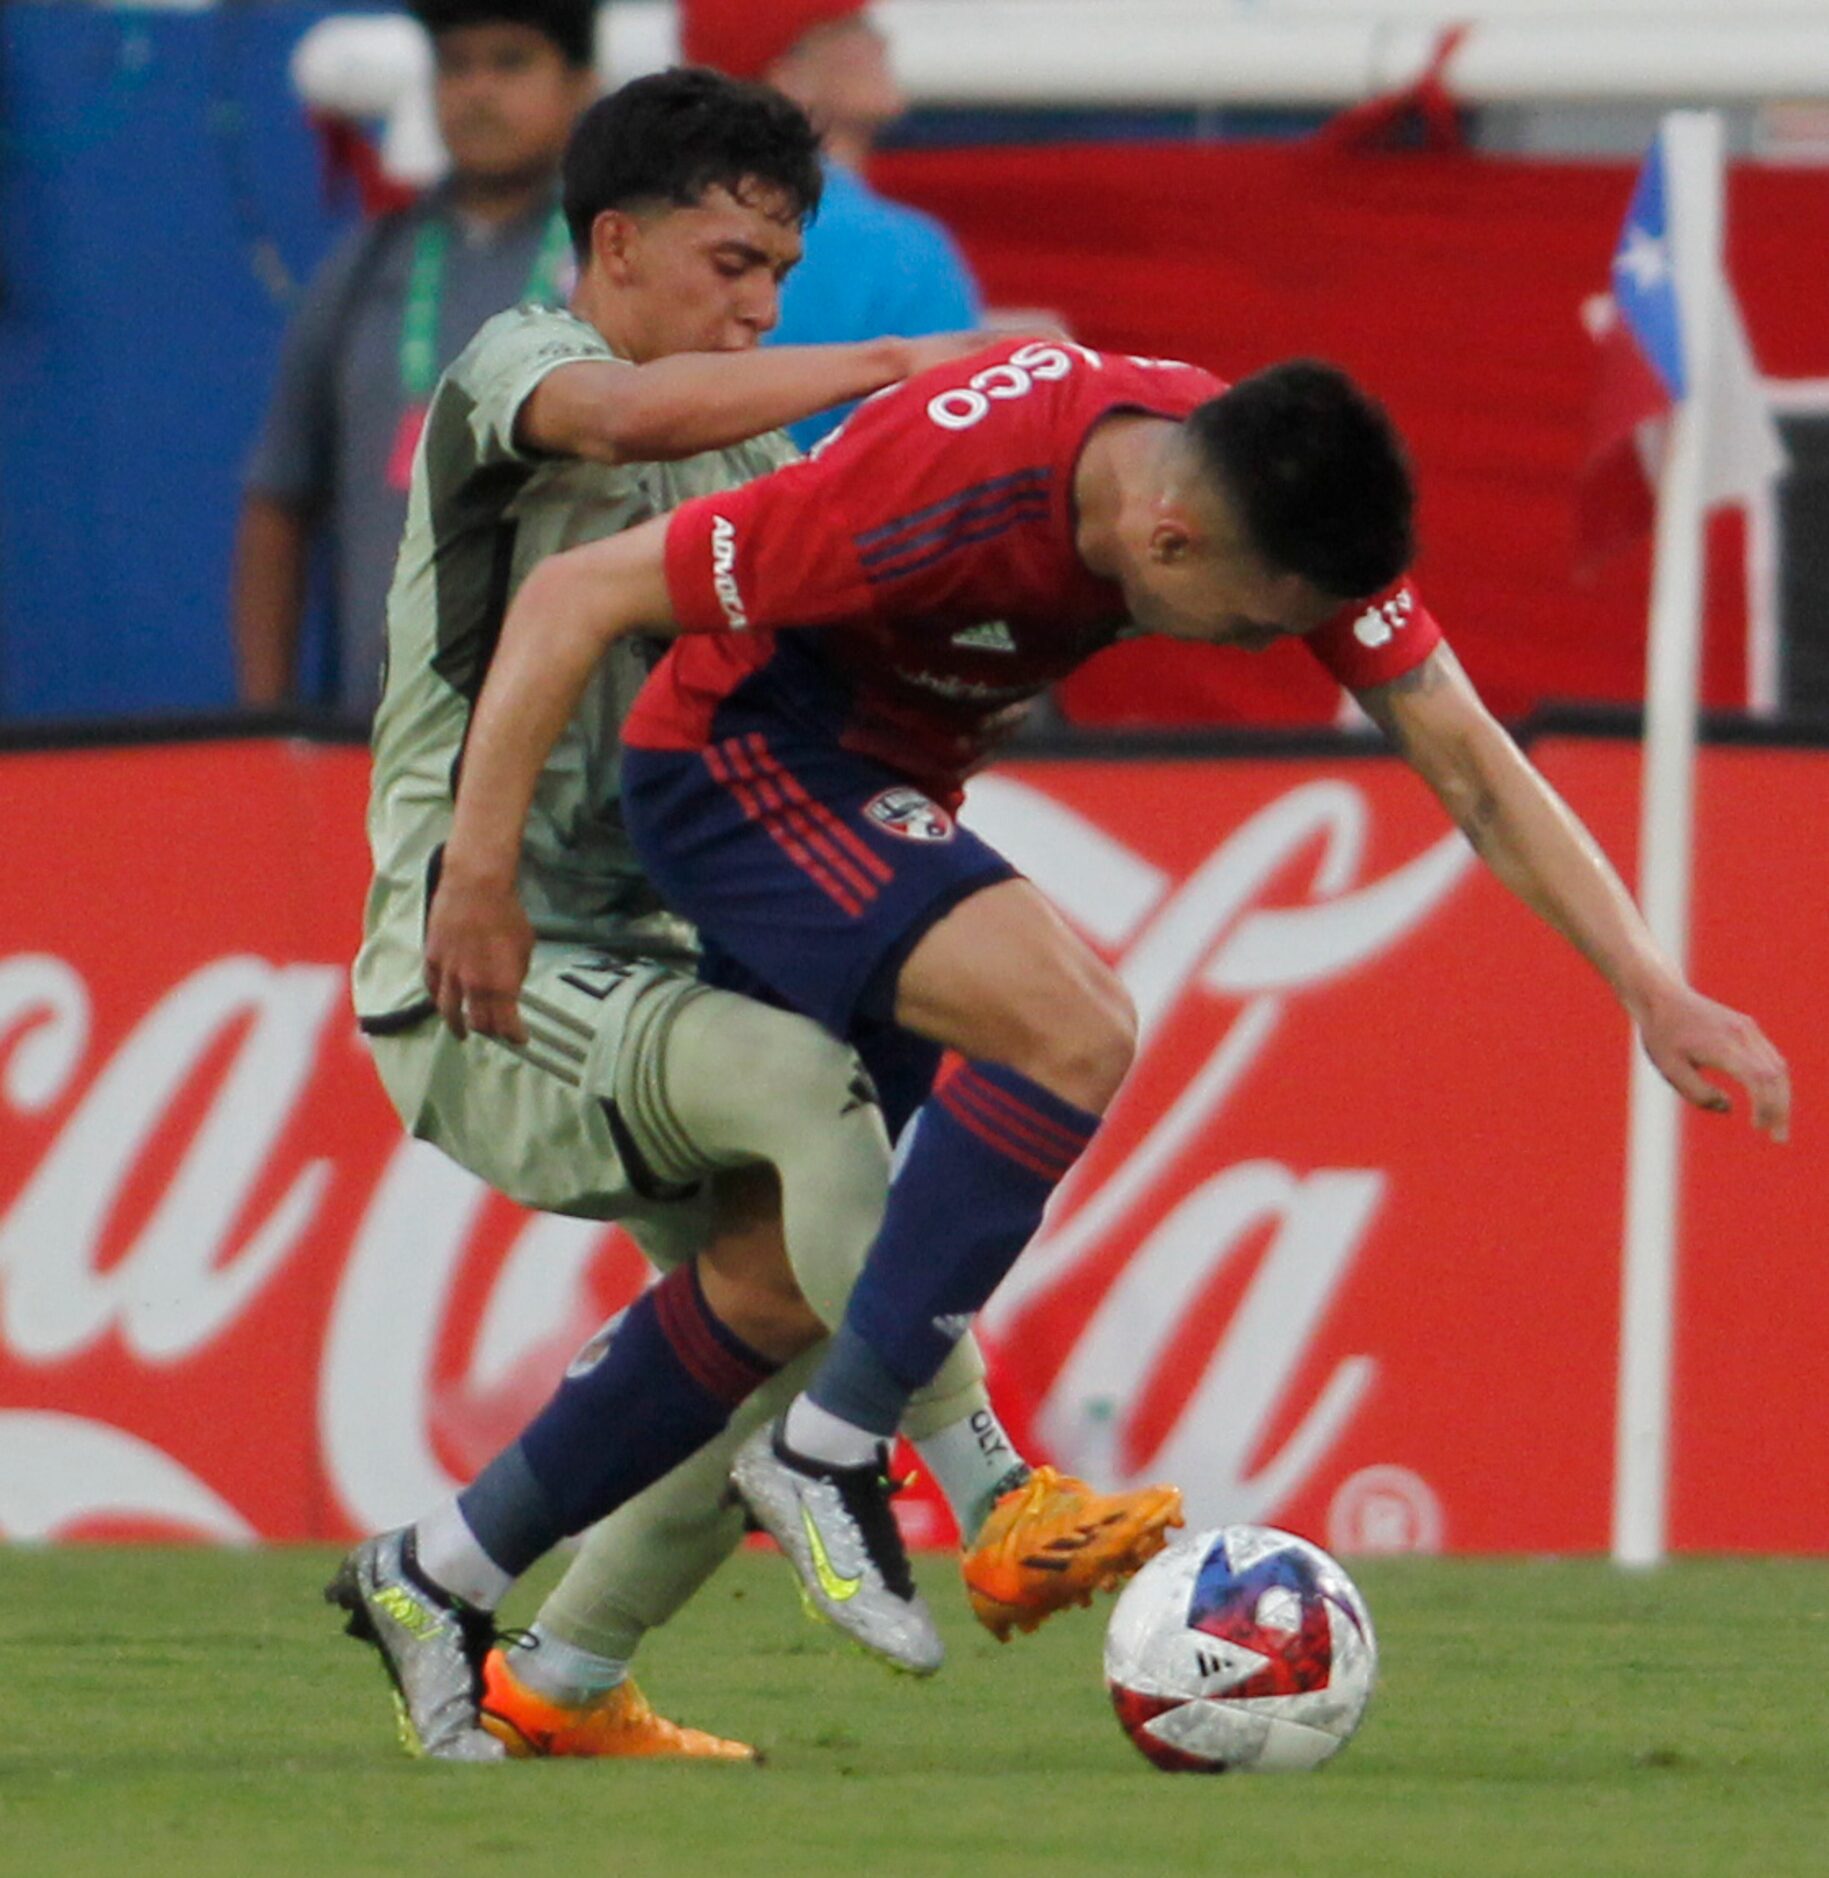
(480,513)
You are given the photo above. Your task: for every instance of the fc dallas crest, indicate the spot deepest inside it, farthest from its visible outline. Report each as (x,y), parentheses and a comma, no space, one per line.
(908,813)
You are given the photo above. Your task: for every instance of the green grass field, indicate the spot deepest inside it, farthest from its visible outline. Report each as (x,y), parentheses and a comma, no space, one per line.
(174,1711)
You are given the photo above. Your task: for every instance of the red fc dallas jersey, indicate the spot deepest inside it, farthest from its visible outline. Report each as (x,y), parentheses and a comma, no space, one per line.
(906,586)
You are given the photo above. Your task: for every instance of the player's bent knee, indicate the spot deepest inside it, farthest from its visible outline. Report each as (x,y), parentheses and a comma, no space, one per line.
(1108,1042)
(1002,979)
(774,1320)
(1077,1037)
(744,1268)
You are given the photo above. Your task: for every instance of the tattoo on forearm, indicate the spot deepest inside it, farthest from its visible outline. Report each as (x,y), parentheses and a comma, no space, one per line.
(1379,703)
(1424,677)
(1476,819)
(1437,744)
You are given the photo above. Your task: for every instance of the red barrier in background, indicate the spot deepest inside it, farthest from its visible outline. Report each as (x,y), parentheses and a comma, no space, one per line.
(1452,285)
(1345,1256)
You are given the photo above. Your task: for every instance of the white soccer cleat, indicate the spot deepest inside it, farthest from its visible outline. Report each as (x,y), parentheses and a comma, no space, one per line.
(431,1645)
(839,1533)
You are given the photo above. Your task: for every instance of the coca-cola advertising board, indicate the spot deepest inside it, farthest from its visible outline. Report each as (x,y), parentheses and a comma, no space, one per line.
(1345,1256)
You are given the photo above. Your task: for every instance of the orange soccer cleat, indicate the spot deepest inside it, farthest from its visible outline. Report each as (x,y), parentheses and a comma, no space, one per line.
(1053,1541)
(617,1725)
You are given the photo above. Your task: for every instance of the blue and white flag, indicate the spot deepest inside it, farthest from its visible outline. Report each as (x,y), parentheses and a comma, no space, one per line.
(1641,331)
(1645,281)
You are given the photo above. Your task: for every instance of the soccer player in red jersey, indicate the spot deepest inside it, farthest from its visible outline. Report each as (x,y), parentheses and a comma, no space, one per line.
(850,633)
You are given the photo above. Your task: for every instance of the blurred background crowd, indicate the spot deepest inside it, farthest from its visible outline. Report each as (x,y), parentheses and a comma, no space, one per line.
(239,241)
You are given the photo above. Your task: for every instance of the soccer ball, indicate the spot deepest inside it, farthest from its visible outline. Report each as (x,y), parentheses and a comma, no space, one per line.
(1240,1648)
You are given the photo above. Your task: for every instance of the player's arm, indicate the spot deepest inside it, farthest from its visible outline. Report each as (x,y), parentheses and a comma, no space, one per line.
(1535,844)
(676,407)
(567,614)
(267,597)
(290,478)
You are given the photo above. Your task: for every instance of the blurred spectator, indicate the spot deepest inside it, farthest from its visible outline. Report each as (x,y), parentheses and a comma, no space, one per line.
(392,307)
(872,266)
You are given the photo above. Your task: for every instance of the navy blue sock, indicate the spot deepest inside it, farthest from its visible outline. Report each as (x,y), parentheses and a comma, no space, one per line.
(990,1149)
(658,1390)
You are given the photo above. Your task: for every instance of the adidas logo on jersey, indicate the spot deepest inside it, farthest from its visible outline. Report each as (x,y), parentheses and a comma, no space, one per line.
(993,636)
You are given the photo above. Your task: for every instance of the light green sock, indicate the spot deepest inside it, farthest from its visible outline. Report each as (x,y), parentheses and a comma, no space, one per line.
(976,1463)
(562,1672)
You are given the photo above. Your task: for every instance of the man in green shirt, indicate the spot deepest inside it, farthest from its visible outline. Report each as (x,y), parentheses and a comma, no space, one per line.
(743,1146)
(391,307)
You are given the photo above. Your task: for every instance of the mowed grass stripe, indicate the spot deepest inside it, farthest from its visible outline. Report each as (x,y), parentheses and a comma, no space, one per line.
(189,1711)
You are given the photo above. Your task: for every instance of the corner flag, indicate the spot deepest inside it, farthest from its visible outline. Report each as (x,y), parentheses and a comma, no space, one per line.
(1643,332)
(1691,401)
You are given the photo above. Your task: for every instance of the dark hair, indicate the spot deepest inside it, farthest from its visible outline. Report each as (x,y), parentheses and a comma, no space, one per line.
(671,137)
(1318,474)
(570,24)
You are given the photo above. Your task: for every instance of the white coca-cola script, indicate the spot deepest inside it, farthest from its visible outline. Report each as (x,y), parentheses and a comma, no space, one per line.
(199,1257)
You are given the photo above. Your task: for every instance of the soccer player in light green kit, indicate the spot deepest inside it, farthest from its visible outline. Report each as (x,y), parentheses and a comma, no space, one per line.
(725,1133)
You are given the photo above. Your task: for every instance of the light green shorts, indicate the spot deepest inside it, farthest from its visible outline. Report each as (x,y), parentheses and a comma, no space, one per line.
(549,1123)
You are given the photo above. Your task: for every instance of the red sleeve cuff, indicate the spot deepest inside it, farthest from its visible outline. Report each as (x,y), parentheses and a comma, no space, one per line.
(1373,641)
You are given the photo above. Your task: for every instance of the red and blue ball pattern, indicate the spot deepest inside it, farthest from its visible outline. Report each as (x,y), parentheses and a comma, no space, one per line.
(1239,1648)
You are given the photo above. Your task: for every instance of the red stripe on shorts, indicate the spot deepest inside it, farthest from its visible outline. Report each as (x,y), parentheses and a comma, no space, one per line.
(784,838)
(859,849)
(789,814)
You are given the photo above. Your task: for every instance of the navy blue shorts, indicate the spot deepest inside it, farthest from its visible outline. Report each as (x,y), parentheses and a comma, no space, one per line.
(810,873)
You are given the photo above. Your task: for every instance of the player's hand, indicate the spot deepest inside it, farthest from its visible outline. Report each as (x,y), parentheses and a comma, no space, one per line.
(477,945)
(1685,1033)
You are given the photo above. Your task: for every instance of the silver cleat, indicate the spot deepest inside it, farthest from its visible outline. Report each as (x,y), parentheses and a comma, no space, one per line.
(837,1529)
(432,1647)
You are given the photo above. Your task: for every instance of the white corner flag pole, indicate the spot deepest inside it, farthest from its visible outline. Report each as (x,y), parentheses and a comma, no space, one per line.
(1693,218)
